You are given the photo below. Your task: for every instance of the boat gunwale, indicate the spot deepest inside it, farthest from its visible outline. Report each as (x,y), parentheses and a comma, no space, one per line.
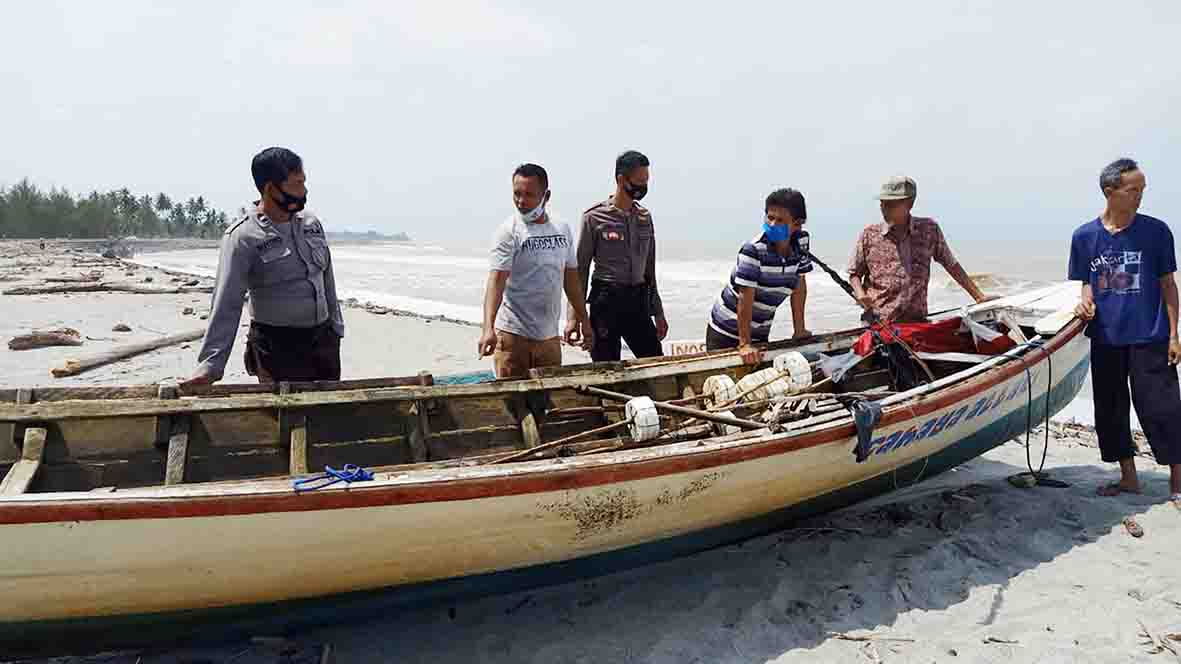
(513,479)
(115,408)
(408,388)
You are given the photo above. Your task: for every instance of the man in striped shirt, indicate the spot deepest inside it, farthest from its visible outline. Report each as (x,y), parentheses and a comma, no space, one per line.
(770,269)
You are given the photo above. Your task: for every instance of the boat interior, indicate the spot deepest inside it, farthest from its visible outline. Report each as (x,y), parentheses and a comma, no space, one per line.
(76,439)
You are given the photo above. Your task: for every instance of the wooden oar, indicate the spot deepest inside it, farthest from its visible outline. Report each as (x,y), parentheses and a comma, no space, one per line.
(516,456)
(679,410)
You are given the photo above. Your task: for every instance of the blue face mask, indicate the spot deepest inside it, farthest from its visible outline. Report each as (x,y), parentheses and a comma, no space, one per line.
(778,233)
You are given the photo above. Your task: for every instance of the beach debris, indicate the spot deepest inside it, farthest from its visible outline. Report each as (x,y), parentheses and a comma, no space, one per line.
(993,639)
(1023,480)
(1134,529)
(187,311)
(121,327)
(148,279)
(75,367)
(192,282)
(41,339)
(204,315)
(1160,643)
(844,636)
(86,277)
(105,286)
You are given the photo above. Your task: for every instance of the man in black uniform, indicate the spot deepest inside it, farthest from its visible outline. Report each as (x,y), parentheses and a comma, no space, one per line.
(619,237)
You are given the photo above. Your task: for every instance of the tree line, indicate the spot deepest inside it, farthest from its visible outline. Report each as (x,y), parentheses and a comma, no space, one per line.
(29,212)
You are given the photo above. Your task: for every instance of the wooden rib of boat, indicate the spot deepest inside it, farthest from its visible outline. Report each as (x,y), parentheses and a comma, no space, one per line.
(124,507)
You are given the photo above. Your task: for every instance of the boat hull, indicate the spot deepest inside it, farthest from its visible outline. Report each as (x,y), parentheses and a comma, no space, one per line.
(182,564)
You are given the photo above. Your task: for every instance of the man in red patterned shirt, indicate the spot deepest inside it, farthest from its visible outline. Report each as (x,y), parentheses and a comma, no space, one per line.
(891,264)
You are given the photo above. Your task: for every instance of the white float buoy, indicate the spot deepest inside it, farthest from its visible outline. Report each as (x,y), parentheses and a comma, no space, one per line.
(795,368)
(763,385)
(645,419)
(719,390)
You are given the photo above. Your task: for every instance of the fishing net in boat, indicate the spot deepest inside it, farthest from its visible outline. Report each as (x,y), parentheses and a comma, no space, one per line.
(896,345)
(945,336)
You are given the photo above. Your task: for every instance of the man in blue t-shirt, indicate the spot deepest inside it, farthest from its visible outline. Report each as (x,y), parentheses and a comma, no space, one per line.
(1126,262)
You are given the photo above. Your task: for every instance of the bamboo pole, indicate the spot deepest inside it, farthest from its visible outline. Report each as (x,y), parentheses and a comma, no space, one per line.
(679,410)
(516,456)
(75,367)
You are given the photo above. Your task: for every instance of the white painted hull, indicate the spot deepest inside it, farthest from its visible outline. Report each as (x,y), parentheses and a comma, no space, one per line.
(123,566)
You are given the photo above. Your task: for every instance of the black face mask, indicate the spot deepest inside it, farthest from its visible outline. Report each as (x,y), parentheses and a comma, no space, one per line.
(636,191)
(288,202)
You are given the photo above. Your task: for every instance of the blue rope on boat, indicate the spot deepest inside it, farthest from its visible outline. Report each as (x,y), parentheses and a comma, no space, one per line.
(471,378)
(349,474)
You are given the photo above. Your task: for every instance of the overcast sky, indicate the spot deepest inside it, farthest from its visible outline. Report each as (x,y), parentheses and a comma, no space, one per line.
(411,116)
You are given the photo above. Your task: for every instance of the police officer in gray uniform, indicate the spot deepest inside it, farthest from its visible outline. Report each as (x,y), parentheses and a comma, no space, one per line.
(278,254)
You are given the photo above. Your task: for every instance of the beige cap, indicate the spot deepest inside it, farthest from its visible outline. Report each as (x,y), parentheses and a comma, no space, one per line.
(897,188)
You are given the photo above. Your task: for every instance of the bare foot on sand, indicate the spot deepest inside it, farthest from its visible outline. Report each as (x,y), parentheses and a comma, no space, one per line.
(1116,488)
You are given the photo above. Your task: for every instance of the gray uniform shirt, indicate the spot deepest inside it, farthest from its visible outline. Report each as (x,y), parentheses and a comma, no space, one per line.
(622,244)
(286,269)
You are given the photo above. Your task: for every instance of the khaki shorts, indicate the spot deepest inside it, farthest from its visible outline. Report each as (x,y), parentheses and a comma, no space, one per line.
(516,355)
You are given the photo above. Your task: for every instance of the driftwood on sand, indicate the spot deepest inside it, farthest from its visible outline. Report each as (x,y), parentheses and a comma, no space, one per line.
(42,339)
(75,367)
(76,278)
(105,286)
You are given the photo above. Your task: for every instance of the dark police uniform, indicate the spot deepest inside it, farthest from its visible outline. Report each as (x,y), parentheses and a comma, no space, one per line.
(296,324)
(623,295)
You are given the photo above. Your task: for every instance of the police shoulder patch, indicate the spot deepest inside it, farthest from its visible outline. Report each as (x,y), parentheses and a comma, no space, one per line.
(594,207)
(233,226)
(312,225)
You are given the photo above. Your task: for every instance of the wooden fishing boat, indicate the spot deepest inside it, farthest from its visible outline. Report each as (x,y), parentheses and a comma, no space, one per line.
(124,508)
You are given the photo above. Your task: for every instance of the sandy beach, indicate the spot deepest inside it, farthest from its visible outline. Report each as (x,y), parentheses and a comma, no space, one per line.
(964,567)
(378,341)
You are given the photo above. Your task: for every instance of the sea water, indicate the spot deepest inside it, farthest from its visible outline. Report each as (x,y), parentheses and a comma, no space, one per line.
(431,279)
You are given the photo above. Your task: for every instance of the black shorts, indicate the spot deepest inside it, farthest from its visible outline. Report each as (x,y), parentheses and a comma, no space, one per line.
(275,353)
(1154,393)
(715,340)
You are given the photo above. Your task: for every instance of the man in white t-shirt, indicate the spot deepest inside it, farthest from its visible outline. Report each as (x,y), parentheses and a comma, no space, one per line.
(533,261)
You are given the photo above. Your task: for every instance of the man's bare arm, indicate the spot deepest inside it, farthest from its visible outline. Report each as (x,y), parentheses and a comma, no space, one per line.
(799,298)
(961,277)
(1169,294)
(493,296)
